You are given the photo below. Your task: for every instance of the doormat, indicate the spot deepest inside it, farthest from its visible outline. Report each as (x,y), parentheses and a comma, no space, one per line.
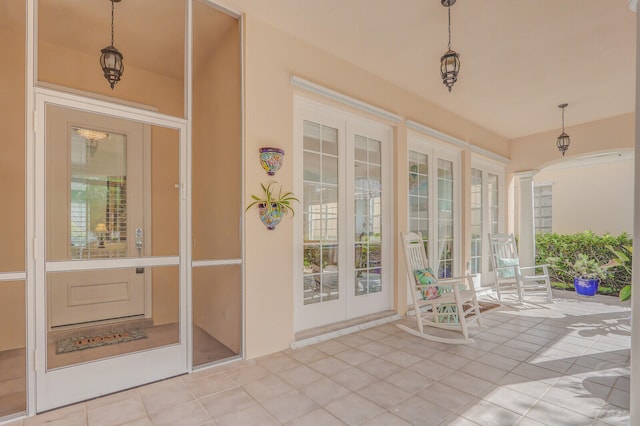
(85,342)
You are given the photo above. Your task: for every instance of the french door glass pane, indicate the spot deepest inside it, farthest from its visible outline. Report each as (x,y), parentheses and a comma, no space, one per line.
(476,221)
(419,195)
(445,218)
(320,213)
(493,202)
(368,215)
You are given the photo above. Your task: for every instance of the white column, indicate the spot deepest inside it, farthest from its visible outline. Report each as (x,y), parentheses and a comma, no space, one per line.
(635,294)
(526,228)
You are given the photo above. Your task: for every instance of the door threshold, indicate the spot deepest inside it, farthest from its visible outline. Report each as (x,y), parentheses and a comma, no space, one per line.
(327,332)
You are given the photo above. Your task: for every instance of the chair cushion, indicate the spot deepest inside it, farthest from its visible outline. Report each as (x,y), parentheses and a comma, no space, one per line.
(425,276)
(507,273)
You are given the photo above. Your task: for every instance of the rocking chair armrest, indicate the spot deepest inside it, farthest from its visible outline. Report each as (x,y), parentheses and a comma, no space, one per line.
(546,265)
(466,281)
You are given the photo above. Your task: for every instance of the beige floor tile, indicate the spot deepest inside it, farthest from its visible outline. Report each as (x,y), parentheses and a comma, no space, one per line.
(550,414)
(140,422)
(329,366)
(467,383)
(267,387)
(187,414)
(289,406)
(300,376)
(117,412)
(317,417)
(517,402)
(386,419)
(308,354)
(331,347)
(409,380)
(484,371)
(384,394)
(353,409)
(253,415)
(380,368)
(242,376)
(354,356)
(210,385)
(158,396)
(485,413)
(71,415)
(417,411)
(226,402)
(324,391)
(278,362)
(401,358)
(447,397)
(354,378)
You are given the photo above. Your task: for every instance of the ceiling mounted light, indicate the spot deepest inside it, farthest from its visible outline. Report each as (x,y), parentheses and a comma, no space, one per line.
(450,61)
(111,58)
(563,141)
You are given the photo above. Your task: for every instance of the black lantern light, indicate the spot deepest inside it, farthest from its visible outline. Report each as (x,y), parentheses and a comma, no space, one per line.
(563,141)
(450,61)
(111,58)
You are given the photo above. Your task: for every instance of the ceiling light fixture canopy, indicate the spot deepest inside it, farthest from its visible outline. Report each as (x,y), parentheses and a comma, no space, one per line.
(563,141)
(450,61)
(111,58)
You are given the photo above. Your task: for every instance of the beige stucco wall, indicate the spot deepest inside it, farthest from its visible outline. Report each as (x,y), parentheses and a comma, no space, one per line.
(537,151)
(596,197)
(271,58)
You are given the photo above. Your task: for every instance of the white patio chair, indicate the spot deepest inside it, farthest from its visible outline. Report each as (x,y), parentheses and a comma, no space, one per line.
(449,304)
(510,276)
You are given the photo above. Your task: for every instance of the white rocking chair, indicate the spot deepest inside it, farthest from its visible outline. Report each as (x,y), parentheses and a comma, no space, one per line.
(510,276)
(451,302)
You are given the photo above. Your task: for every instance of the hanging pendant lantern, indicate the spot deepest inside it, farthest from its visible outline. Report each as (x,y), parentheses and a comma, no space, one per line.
(111,58)
(450,61)
(563,141)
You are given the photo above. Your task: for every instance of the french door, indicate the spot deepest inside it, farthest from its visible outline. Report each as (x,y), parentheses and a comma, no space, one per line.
(110,275)
(487,186)
(434,187)
(344,256)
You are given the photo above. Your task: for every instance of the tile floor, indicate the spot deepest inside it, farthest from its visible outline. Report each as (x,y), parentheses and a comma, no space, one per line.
(561,363)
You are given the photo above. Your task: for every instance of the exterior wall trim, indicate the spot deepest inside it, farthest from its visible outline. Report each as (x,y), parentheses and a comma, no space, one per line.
(309,86)
(455,141)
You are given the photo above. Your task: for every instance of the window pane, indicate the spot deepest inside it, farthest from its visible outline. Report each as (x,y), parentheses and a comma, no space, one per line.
(368,215)
(476,221)
(100,195)
(445,218)
(320,214)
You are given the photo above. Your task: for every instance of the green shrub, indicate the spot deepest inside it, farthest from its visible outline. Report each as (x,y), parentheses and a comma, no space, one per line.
(563,250)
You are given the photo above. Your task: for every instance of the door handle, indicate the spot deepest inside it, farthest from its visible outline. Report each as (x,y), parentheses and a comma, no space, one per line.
(139,238)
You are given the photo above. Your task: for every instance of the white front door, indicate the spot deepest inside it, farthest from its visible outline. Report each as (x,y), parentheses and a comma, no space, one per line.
(110,269)
(94,184)
(345,260)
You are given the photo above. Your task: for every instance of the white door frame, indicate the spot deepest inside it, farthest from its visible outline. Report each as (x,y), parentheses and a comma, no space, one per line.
(60,387)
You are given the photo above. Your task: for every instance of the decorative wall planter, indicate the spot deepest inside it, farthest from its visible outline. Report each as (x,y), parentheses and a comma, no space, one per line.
(271,159)
(586,286)
(271,217)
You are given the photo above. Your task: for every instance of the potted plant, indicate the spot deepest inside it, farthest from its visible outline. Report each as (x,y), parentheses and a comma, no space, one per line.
(272,207)
(588,273)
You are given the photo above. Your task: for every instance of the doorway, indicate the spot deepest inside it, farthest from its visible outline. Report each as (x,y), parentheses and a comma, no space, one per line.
(110,213)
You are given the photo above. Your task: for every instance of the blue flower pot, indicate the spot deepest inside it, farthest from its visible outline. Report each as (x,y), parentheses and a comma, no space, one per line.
(586,287)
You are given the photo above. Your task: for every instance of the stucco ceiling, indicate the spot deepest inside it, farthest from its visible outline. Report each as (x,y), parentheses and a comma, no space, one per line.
(520,59)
